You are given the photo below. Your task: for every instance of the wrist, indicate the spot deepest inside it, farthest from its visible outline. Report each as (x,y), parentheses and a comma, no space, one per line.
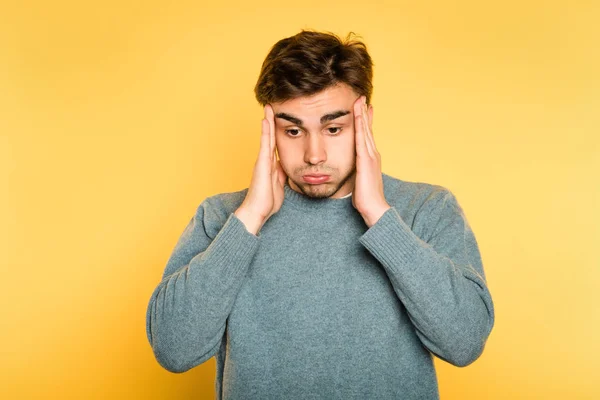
(252,221)
(372,217)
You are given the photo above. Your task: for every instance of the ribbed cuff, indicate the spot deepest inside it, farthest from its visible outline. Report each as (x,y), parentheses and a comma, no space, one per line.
(232,250)
(391,241)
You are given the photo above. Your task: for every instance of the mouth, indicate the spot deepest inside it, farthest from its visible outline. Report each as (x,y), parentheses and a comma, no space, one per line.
(315,179)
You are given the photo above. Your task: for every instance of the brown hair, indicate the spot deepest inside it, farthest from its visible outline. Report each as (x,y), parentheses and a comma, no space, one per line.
(309,62)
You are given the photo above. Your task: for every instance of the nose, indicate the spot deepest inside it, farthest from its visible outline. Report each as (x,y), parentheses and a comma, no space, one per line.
(315,150)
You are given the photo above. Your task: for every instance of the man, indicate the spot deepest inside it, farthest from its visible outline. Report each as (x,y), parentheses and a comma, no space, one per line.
(325,278)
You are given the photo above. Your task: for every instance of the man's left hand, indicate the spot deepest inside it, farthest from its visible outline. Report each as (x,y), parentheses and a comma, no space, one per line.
(367,197)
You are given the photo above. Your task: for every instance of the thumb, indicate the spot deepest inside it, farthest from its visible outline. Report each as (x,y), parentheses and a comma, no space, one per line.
(281,175)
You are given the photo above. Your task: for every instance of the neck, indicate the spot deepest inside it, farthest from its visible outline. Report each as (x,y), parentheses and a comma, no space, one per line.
(298,199)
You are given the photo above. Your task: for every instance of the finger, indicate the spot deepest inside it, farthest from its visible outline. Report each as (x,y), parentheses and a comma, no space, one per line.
(368,128)
(274,171)
(282,176)
(361,147)
(270,117)
(266,117)
(264,141)
(362,143)
(368,141)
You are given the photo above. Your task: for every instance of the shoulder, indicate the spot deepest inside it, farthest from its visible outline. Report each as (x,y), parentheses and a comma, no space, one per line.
(227,201)
(214,210)
(426,207)
(413,195)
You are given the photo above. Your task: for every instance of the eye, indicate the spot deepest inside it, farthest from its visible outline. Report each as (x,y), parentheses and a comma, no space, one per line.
(291,130)
(334,131)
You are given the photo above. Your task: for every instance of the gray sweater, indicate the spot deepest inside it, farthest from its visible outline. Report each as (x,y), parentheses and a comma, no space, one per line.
(318,305)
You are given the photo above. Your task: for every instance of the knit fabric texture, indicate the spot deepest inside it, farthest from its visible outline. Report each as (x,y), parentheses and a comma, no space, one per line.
(318,305)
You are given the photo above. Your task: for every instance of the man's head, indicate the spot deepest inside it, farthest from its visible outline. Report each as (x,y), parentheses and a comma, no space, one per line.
(311,80)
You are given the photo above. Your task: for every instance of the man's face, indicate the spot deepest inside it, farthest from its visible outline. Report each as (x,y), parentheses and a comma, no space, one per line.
(315,136)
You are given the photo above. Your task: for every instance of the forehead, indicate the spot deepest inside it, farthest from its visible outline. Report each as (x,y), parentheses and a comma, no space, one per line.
(339,97)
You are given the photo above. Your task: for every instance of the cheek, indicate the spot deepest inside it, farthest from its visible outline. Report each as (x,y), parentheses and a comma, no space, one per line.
(346,148)
(350,152)
(287,156)
(283,150)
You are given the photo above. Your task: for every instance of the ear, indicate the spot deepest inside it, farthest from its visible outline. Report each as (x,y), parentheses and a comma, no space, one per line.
(370,114)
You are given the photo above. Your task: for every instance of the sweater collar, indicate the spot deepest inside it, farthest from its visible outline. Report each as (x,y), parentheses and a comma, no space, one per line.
(302,201)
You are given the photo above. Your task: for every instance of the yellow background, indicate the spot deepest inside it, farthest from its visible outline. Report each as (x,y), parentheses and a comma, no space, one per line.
(118,118)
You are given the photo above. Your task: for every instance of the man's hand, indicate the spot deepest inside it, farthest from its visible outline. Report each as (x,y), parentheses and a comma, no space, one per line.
(367,196)
(265,194)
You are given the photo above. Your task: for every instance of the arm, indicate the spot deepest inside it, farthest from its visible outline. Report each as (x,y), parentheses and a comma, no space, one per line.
(440,279)
(187,312)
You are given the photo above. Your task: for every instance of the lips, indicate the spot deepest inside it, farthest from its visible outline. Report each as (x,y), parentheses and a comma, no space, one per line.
(315,179)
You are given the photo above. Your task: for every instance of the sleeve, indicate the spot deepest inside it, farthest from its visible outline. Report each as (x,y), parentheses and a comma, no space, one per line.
(439,279)
(187,312)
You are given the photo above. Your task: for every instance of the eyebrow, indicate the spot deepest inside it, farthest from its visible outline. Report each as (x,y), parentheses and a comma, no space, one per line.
(324,118)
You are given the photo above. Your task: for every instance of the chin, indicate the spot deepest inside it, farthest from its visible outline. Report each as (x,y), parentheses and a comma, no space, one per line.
(321,191)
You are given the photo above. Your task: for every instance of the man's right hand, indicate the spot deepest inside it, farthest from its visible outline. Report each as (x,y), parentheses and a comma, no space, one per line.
(265,194)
